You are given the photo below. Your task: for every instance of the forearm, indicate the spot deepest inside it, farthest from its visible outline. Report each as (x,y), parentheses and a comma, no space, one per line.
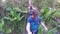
(44,26)
(28,28)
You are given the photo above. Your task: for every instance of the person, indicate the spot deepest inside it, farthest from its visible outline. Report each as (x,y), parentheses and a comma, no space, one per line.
(30,10)
(33,22)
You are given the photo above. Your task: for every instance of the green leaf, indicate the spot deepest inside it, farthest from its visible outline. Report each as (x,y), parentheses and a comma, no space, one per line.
(8,9)
(40,30)
(51,31)
(8,31)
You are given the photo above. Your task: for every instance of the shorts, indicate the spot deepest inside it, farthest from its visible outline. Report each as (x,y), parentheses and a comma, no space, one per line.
(35,32)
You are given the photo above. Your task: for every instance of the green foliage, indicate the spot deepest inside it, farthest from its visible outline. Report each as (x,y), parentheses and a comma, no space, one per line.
(42,31)
(15,20)
(51,31)
(15,9)
(57,13)
(47,16)
(12,21)
(1,26)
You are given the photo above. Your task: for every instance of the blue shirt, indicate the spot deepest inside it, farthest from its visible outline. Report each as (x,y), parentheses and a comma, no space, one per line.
(34,24)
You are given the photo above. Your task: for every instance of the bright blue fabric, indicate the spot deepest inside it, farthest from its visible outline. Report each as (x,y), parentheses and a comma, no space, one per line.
(34,24)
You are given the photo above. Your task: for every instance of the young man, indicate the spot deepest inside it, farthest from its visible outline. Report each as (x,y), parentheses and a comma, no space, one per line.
(33,22)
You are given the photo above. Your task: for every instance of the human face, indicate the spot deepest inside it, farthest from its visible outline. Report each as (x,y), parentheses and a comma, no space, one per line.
(35,16)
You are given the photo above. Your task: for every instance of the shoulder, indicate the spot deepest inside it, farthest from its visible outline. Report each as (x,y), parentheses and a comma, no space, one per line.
(30,17)
(39,17)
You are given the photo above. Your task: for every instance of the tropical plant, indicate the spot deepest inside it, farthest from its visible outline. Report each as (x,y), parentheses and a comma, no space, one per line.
(49,17)
(42,31)
(46,15)
(12,21)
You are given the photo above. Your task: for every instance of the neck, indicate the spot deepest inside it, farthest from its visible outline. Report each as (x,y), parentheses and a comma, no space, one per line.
(34,18)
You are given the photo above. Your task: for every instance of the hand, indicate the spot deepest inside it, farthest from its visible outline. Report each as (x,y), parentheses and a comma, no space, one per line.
(46,29)
(29,32)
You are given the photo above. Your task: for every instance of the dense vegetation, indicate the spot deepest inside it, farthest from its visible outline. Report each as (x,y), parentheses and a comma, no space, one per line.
(15,20)
(13,17)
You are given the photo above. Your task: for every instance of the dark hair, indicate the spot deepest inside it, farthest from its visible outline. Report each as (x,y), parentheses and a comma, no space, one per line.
(35,11)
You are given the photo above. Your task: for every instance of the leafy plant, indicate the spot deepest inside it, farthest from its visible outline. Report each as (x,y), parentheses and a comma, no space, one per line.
(1,27)
(47,14)
(57,13)
(42,31)
(51,31)
(12,21)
